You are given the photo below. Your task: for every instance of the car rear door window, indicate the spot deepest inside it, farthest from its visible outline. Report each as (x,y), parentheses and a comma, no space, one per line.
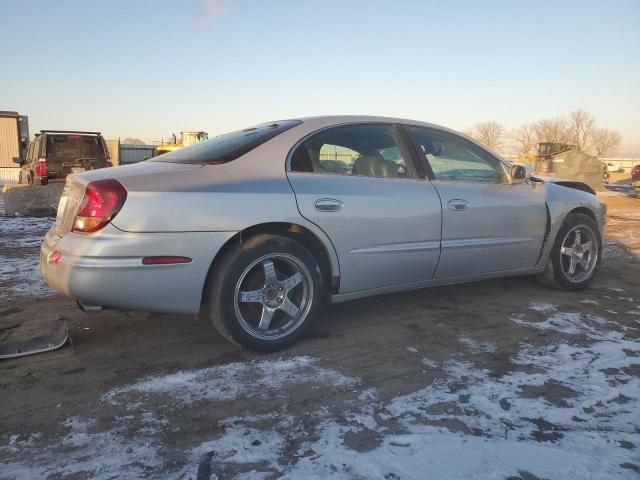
(368,150)
(454,158)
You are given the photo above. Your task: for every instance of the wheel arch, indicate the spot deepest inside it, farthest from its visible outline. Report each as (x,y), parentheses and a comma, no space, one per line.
(556,216)
(323,253)
(584,211)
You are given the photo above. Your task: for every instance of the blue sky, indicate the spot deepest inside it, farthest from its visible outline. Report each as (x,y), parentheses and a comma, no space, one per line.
(147,68)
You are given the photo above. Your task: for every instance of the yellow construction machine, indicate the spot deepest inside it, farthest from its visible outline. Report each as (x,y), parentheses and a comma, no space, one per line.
(186,138)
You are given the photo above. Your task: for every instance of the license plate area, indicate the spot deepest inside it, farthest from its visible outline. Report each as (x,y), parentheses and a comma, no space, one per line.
(77,169)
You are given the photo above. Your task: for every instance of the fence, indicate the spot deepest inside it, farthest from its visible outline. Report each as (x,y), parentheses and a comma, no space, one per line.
(621,163)
(615,163)
(341,157)
(9,175)
(135,153)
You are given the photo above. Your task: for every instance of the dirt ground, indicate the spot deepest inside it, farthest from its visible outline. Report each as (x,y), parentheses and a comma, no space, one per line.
(501,379)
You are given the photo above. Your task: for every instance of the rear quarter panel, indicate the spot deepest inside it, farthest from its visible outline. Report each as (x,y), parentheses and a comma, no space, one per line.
(227,197)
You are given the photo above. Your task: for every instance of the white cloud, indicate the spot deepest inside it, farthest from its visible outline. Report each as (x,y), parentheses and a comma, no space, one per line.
(209,12)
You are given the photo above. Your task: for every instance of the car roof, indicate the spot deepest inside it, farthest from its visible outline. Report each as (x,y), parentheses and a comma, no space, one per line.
(65,132)
(314,123)
(327,120)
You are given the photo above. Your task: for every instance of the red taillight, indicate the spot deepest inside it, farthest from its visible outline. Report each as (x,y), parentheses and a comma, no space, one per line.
(101,202)
(54,257)
(109,164)
(41,167)
(635,170)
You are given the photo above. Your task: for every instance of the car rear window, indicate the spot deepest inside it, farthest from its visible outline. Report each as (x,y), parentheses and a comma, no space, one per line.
(73,147)
(229,146)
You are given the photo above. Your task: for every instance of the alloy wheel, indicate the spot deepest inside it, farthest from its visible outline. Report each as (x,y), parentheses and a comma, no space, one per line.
(579,253)
(273,296)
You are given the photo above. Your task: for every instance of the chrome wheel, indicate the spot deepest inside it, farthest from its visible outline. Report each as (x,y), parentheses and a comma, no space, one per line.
(273,296)
(579,253)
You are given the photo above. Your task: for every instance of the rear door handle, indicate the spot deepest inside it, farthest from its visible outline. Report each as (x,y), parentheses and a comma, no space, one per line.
(457,204)
(328,205)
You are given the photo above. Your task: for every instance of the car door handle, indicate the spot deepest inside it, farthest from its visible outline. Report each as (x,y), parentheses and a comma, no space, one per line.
(328,205)
(457,204)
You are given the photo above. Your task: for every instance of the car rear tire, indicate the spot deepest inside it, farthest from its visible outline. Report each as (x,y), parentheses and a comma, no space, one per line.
(575,255)
(265,293)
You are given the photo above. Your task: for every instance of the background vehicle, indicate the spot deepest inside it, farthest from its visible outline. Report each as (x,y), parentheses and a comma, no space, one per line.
(635,177)
(254,229)
(54,154)
(187,138)
(568,162)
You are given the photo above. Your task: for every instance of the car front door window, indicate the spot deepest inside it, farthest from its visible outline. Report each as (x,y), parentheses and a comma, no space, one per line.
(453,158)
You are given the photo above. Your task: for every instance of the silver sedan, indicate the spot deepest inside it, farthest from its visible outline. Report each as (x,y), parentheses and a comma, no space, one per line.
(258,228)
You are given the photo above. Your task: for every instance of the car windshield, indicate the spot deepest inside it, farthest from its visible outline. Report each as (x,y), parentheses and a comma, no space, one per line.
(229,146)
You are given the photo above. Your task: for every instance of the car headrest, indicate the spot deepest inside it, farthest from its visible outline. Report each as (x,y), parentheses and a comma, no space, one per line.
(370,166)
(432,149)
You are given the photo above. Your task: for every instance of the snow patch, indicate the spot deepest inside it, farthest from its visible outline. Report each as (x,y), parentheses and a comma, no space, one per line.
(589,302)
(20,240)
(85,452)
(227,382)
(542,307)
(427,362)
(135,445)
(563,410)
(478,347)
(566,421)
(571,323)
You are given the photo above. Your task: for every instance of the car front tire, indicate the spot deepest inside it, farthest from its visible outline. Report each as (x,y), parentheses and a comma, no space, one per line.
(575,255)
(265,293)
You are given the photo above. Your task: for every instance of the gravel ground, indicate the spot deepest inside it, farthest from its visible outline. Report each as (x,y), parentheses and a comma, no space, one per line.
(501,379)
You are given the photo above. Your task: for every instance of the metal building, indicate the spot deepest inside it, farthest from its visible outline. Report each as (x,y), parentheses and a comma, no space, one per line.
(14,137)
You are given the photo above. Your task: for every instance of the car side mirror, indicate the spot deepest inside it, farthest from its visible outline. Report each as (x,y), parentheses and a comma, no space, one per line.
(17,160)
(518,172)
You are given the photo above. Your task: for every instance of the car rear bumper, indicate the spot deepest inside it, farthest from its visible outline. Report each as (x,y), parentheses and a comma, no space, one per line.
(106,268)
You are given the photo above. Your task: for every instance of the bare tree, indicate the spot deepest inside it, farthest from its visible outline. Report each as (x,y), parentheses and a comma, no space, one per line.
(132,141)
(525,138)
(581,125)
(489,133)
(551,130)
(604,141)
(468,132)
